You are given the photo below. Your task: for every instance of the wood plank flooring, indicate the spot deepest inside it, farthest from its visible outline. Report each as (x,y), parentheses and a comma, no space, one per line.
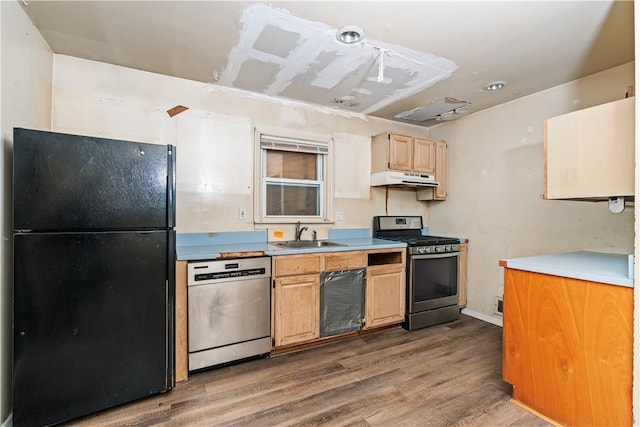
(445,375)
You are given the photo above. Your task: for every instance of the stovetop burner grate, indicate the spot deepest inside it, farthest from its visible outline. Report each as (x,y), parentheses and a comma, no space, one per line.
(421,240)
(407,229)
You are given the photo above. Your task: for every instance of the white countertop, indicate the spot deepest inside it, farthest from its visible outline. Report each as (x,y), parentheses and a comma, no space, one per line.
(614,269)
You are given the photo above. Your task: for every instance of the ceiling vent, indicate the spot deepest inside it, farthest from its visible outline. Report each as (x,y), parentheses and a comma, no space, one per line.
(442,109)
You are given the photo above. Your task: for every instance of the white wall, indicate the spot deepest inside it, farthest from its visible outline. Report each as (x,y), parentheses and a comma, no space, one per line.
(26,74)
(215,138)
(496,182)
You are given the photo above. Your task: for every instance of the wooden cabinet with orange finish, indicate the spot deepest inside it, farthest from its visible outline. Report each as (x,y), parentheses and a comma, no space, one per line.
(568,347)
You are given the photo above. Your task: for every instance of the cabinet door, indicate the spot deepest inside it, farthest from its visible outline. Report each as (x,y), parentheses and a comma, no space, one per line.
(590,153)
(424,154)
(385,296)
(440,192)
(568,346)
(297,309)
(462,277)
(400,152)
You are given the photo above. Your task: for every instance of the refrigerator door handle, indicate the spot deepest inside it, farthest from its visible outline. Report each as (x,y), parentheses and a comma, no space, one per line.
(171,311)
(171,186)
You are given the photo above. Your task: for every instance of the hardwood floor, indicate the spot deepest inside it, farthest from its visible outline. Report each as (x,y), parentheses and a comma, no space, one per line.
(444,375)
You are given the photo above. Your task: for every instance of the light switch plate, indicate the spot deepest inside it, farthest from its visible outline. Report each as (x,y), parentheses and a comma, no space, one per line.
(338,215)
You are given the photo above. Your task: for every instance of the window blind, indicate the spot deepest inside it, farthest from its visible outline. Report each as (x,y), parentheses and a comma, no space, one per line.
(268,142)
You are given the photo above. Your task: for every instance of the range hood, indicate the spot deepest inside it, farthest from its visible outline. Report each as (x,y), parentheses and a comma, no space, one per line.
(403,179)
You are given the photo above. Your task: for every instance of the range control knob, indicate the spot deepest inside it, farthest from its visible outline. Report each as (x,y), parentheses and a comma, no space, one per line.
(436,249)
(420,250)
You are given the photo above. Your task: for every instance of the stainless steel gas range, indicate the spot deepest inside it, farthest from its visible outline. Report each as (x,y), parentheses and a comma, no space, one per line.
(432,270)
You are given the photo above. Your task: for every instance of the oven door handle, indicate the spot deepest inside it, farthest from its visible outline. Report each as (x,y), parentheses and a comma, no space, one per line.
(434,255)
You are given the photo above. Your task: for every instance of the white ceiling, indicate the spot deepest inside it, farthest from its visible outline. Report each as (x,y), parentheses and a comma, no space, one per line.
(430,50)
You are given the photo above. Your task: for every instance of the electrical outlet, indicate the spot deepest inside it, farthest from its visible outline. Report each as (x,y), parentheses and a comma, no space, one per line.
(338,215)
(242,213)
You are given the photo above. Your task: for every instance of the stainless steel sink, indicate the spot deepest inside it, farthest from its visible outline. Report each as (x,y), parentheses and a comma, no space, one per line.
(302,244)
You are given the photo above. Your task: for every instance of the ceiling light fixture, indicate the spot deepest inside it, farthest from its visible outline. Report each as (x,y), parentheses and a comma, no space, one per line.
(349,34)
(495,86)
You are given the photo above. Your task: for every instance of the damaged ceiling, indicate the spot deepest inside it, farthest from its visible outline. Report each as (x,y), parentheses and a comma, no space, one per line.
(415,60)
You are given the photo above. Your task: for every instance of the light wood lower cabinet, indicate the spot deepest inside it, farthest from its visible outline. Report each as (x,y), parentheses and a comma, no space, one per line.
(568,348)
(385,298)
(295,298)
(385,295)
(462,277)
(181,344)
(296,291)
(297,309)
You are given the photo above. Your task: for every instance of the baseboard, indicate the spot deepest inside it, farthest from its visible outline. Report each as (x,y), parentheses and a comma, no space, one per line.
(481,316)
(8,422)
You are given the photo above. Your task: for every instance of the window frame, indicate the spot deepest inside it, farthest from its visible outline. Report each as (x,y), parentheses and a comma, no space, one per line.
(310,144)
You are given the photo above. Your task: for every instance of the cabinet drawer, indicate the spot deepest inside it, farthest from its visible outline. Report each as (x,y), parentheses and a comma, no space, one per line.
(345,261)
(295,265)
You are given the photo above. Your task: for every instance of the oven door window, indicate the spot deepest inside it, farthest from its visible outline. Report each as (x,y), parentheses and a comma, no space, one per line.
(434,278)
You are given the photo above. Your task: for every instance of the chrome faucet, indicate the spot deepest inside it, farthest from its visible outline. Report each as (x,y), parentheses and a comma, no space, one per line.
(299,230)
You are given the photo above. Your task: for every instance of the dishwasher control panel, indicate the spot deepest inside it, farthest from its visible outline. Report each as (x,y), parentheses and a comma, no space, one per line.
(230,274)
(199,273)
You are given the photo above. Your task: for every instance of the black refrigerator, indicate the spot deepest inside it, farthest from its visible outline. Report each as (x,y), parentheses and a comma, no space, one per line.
(94,282)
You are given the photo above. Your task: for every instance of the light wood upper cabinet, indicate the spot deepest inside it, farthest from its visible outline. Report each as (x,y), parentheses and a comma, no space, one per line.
(440,160)
(424,155)
(589,154)
(440,192)
(400,152)
(391,151)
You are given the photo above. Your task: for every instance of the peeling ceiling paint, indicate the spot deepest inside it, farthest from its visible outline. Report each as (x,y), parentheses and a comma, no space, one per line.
(532,45)
(281,55)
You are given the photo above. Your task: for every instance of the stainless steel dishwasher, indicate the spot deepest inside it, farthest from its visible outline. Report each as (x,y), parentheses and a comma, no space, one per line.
(229,310)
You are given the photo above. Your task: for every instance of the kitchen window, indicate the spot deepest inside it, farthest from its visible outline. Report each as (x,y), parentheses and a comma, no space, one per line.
(293,179)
